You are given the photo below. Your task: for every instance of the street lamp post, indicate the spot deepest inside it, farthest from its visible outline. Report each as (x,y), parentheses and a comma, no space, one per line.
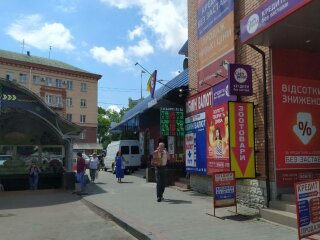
(142,72)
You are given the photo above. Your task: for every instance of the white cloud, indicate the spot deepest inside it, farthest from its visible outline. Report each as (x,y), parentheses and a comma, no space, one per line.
(137,32)
(143,49)
(110,57)
(39,34)
(166,18)
(114,108)
(68,6)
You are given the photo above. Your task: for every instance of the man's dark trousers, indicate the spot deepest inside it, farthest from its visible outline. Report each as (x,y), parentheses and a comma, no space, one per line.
(161,181)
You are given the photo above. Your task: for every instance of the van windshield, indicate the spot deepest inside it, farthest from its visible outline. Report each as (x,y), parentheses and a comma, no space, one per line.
(125,150)
(134,150)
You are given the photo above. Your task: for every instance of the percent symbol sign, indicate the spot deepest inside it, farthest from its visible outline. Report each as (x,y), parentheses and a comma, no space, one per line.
(305,128)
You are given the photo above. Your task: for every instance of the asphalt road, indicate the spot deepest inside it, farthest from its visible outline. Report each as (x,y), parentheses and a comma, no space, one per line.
(53,215)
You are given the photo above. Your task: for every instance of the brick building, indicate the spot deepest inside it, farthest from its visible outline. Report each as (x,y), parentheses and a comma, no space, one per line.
(279,40)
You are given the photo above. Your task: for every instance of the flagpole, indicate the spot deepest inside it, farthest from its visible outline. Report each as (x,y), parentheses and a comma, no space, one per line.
(142,68)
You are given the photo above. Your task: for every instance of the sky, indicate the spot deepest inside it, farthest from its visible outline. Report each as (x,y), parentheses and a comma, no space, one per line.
(105,37)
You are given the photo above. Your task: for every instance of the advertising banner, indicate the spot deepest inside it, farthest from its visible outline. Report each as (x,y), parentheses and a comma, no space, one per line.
(210,13)
(170,145)
(240,78)
(296,133)
(267,14)
(217,139)
(221,93)
(224,189)
(195,143)
(241,129)
(307,195)
(199,102)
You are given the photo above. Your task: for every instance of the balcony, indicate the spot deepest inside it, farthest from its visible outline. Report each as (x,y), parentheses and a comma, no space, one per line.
(56,105)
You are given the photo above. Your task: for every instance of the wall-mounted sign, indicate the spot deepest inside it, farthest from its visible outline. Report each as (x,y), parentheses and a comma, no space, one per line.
(221,93)
(199,102)
(266,15)
(195,143)
(308,207)
(240,79)
(241,129)
(171,122)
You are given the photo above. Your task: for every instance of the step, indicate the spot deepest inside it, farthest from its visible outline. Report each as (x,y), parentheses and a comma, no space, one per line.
(288,197)
(283,206)
(278,216)
(184,180)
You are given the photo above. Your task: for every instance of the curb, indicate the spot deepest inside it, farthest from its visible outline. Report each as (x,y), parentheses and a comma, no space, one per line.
(104,214)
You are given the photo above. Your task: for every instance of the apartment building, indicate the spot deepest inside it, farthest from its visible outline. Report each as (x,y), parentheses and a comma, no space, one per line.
(68,90)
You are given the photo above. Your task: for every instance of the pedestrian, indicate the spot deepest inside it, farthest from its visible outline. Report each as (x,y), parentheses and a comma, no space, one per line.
(93,166)
(159,161)
(81,169)
(33,172)
(119,166)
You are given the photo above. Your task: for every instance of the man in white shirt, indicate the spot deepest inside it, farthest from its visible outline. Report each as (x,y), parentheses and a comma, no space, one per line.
(93,166)
(160,158)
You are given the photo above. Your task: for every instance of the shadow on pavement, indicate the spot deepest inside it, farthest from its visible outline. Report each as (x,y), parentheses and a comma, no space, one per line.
(175,201)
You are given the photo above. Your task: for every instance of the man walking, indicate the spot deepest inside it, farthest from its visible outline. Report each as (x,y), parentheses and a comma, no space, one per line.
(93,166)
(81,169)
(160,158)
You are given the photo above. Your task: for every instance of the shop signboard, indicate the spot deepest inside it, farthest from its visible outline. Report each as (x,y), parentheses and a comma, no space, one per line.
(195,143)
(307,195)
(269,13)
(199,102)
(241,129)
(224,189)
(296,133)
(221,93)
(240,79)
(171,122)
(217,139)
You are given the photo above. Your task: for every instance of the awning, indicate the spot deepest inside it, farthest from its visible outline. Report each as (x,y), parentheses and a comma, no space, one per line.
(179,81)
(284,24)
(87,146)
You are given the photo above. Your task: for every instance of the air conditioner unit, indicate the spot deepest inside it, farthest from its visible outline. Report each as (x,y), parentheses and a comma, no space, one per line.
(64,82)
(43,79)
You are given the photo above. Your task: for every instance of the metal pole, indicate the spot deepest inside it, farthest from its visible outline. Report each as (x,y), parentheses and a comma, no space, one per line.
(141,82)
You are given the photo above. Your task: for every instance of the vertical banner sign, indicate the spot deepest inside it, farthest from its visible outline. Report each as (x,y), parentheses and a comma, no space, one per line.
(217,139)
(195,143)
(171,122)
(171,145)
(241,129)
(240,77)
(224,189)
(221,93)
(297,132)
(307,195)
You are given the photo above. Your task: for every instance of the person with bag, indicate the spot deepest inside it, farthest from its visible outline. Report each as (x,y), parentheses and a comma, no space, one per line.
(159,161)
(33,171)
(119,166)
(93,167)
(81,169)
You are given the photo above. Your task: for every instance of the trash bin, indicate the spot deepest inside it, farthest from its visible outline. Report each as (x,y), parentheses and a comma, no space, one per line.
(69,180)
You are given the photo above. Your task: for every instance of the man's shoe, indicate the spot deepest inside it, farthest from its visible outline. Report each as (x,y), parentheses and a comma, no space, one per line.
(159,200)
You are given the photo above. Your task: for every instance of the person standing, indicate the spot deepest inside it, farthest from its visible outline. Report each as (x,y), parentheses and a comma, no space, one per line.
(93,166)
(119,166)
(33,171)
(81,169)
(160,158)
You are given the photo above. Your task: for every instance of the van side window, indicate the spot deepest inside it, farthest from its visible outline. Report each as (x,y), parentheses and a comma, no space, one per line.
(134,150)
(125,150)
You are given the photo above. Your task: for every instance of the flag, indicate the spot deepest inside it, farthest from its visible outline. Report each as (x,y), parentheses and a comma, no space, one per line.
(151,85)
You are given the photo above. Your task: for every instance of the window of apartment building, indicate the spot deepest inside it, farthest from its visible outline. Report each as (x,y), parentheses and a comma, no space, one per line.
(36,79)
(58,100)
(82,135)
(83,87)
(9,76)
(48,81)
(48,99)
(23,77)
(69,85)
(69,101)
(82,118)
(58,83)
(69,117)
(83,103)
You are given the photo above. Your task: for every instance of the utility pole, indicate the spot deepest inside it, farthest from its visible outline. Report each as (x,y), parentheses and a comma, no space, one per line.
(142,72)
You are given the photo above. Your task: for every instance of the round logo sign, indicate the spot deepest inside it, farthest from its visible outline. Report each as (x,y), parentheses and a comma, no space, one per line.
(240,75)
(253,23)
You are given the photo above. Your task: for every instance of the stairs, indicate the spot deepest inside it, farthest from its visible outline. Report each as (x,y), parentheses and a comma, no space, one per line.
(281,211)
(182,184)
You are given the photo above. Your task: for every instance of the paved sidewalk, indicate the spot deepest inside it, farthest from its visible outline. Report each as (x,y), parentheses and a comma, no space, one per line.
(182,215)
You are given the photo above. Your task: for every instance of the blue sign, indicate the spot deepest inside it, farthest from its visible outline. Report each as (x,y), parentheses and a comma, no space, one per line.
(195,142)
(221,93)
(224,192)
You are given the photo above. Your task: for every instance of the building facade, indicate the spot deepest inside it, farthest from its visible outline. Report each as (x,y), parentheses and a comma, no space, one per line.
(68,90)
(285,79)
